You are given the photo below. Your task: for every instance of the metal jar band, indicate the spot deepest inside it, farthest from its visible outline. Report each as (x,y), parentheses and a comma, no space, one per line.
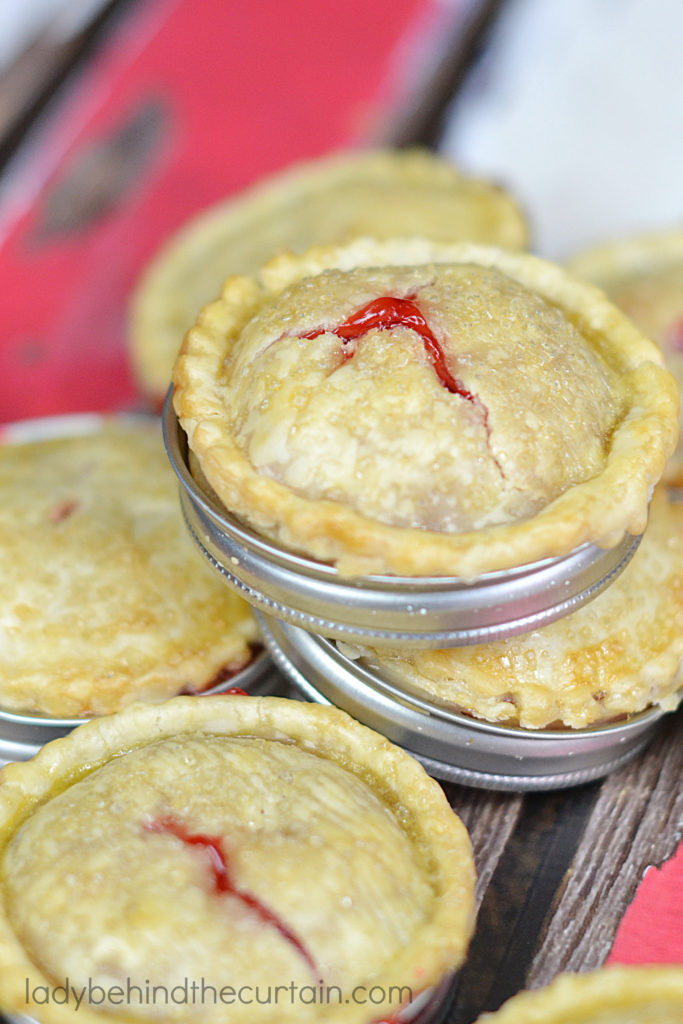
(451,745)
(399,611)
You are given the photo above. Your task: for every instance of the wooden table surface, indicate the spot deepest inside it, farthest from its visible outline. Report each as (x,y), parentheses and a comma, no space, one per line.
(557,870)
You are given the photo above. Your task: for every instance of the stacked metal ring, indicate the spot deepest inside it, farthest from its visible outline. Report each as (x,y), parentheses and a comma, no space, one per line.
(306,605)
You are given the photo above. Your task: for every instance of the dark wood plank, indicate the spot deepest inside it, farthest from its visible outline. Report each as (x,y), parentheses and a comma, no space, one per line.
(28,85)
(636,822)
(421,120)
(515,904)
(490,819)
(28,78)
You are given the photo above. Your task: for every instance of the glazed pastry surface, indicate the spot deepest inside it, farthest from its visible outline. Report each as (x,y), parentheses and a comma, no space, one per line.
(104,599)
(617,655)
(526,410)
(231,844)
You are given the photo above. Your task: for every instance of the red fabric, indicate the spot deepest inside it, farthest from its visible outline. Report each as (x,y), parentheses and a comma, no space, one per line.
(237,90)
(651,931)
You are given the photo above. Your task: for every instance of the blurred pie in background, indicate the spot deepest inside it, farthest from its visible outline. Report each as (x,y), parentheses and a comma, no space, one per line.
(105,599)
(644,277)
(381,193)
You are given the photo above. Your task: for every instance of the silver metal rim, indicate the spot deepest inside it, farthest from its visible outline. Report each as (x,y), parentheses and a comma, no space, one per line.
(22,734)
(247,676)
(452,746)
(416,612)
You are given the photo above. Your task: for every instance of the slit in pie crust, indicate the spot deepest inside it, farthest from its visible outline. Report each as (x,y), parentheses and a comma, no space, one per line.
(410,408)
(240,841)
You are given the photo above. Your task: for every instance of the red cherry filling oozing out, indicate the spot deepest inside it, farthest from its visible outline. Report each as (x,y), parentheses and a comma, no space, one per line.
(222,882)
(193,691)
(58,513)
(222,676)
(675,336)
(384,313)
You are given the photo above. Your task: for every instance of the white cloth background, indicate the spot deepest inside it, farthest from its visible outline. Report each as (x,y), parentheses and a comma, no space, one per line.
(578,108)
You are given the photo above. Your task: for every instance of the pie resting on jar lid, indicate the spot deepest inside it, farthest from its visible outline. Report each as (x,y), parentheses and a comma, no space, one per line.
(410,408)
(618,655)
(644,277)
(104,598)
(233,843)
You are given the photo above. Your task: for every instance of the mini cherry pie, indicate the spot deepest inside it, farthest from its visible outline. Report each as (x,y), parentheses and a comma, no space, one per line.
(105,600)
(642,994)
(237,843)
(644,277)
(620,654)
(410,408)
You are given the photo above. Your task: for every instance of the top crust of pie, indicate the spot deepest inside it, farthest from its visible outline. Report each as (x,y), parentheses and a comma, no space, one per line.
(104,598)
(343,864)
(610,995)
(644,277)
(555,425)
(382,193)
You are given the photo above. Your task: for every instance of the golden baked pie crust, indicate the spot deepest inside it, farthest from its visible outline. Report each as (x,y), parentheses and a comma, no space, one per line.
(618,655)
(609,995)
(417,802)
(331,199)
(105,600)
(599,510)
(607,263)
(631,272)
